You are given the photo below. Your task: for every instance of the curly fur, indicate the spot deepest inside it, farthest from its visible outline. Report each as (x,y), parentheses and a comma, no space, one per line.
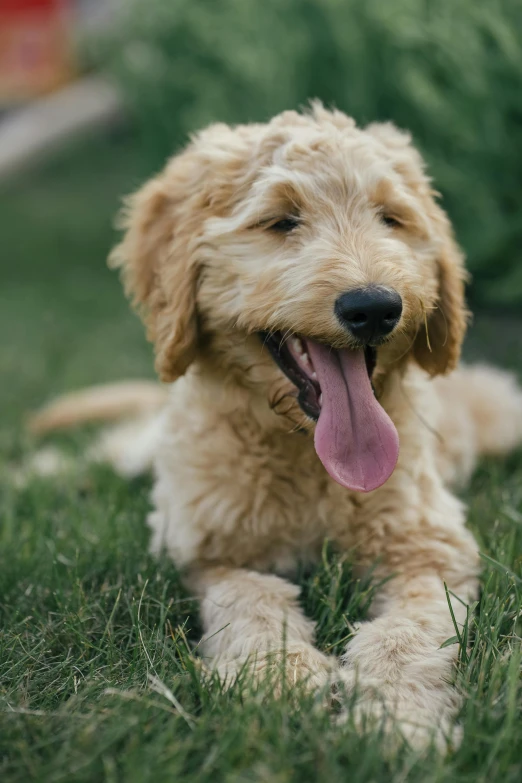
(239,492)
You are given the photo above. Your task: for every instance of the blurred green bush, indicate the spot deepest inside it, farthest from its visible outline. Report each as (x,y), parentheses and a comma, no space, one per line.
(448,70)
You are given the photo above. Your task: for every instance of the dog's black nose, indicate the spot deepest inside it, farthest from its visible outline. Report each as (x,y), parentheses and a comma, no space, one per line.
(369,314)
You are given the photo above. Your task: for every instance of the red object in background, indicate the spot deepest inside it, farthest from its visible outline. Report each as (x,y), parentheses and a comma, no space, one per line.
(35,47)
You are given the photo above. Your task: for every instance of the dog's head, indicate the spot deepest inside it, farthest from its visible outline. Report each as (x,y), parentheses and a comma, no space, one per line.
(320,241)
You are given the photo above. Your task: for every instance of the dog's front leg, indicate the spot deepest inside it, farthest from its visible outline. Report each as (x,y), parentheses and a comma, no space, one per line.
(395,663)
(253,623)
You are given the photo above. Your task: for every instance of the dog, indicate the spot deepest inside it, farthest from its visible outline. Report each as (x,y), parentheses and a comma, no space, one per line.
(305,297)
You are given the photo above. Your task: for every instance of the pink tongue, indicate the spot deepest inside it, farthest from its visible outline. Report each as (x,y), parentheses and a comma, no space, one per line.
(355,438)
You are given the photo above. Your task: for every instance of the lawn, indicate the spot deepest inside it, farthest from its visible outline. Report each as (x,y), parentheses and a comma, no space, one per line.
(97,677)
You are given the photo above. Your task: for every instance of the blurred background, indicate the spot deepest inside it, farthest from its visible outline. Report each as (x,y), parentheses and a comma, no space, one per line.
(95,94)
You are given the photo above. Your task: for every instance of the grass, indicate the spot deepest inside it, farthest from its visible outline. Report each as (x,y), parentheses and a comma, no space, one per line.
(97,678)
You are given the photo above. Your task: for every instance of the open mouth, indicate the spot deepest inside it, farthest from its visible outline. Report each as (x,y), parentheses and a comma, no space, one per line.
(293,357)
(354,437)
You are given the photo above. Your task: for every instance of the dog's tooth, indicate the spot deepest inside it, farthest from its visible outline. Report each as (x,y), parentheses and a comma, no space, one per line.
(297,345)
(320,400)
(314,375)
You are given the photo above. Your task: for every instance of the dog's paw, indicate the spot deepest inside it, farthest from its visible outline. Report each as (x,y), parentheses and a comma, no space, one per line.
(396,678)
(401,720)
(277,671)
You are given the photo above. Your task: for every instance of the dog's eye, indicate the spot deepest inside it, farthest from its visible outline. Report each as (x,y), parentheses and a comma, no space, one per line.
(285,225)
(390,221)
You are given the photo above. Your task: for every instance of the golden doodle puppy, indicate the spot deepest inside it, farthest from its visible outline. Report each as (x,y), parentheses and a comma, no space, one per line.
(301,286)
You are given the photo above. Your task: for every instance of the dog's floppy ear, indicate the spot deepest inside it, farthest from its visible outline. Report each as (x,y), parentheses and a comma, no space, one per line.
(158,264)
(439,340)
(163,222)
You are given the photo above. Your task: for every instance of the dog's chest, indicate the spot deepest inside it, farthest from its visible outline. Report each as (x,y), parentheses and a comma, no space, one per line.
(247,503)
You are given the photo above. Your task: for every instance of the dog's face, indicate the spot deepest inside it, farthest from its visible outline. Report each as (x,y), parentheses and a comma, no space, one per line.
(308,235)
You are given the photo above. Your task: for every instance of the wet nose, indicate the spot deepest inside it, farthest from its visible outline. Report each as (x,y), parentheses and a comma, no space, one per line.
(369,314)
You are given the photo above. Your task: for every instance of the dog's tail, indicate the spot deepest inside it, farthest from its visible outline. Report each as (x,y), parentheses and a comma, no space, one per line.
(106,402)
(480,415)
